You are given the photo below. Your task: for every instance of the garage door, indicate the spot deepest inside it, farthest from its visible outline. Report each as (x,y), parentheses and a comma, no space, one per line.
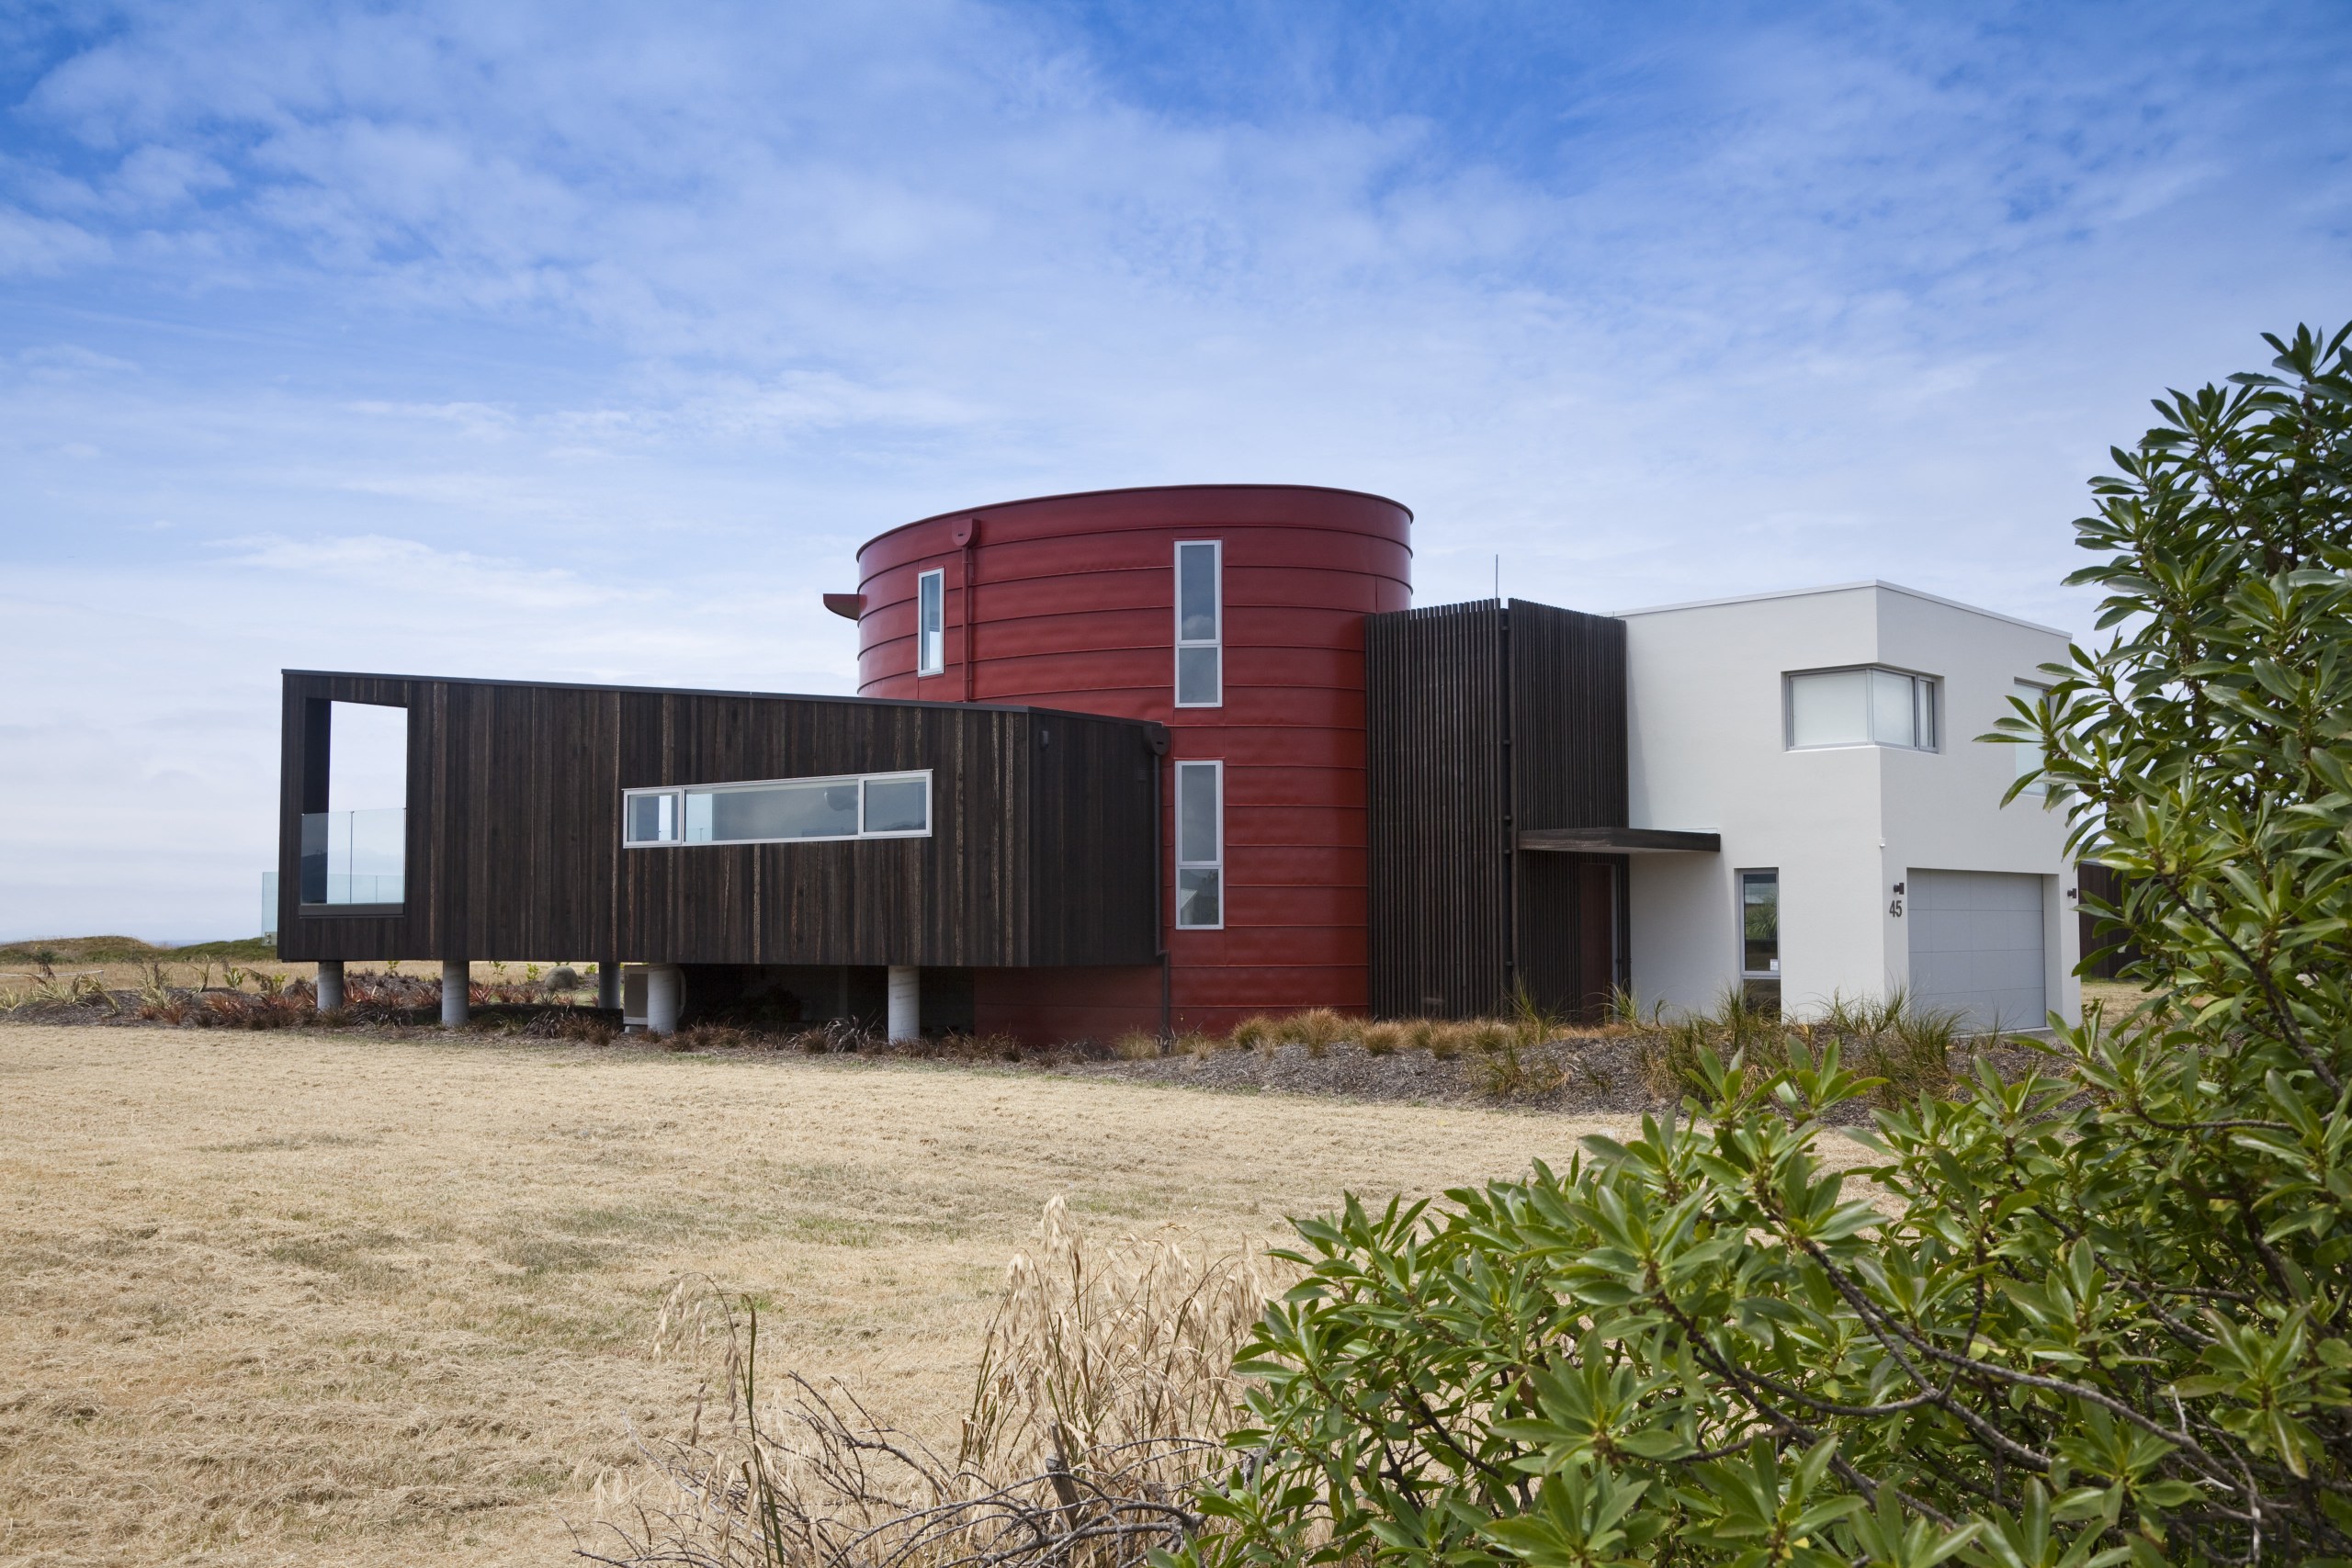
(1976,946)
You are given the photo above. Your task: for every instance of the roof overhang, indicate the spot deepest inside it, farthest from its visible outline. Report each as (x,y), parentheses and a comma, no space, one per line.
(1619,842)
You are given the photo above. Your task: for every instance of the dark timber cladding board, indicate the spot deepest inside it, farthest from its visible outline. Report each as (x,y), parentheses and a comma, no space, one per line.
(1481,719)
(1041,850)
(2105,953)
(1568,735)
(1437,790)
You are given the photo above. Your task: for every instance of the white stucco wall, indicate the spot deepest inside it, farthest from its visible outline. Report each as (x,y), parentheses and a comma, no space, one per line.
(1843,825)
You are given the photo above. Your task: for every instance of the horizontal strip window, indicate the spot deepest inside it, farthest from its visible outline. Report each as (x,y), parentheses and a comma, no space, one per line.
(1869,707)
(779,811)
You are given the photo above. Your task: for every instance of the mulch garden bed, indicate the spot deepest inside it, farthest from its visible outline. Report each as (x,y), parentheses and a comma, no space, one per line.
(1598,1072)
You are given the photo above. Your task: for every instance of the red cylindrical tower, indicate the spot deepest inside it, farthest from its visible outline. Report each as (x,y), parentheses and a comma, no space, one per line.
(1071,601)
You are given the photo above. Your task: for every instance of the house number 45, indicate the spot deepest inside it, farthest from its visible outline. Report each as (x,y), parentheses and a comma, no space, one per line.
(1895,906)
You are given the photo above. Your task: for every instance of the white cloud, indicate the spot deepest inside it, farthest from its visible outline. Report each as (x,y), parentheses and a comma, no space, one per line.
(391,567)
(34,246)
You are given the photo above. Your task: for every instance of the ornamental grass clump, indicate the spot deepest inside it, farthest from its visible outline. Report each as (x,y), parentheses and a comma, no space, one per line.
(1907,1049)
(1320,1029)
(1105,1378)
(2094,1312)
(1485,1035)
(1519,1072)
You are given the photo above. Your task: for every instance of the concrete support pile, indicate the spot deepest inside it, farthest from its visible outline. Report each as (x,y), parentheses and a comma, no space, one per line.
(665,998)
(906,1002)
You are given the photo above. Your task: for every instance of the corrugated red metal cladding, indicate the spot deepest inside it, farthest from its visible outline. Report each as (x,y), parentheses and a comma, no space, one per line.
(1070,602)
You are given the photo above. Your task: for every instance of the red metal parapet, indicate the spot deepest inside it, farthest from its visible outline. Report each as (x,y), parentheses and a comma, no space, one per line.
(848,606)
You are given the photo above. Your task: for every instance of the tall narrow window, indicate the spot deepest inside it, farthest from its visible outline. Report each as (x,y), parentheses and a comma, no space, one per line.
(355,821)
(1200,625)
(931,622)
(1200,846)
(1759,924)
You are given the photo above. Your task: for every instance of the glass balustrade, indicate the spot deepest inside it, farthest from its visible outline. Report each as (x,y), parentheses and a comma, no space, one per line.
(355,857)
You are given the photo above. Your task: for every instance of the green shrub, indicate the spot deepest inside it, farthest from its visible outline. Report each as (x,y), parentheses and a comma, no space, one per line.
(2087,1317)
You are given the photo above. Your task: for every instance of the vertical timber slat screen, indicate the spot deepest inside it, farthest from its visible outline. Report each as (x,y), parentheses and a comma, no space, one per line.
(1438,791)
(1568,727)
(1483,719)
(2104,958)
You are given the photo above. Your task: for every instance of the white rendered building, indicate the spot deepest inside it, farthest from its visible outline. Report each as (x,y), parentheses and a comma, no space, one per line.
(1829,737)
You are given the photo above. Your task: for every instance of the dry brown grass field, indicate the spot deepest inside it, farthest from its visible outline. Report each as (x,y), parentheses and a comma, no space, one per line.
(326,1298)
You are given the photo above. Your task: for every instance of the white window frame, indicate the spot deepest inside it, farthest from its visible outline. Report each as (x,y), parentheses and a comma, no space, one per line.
(1739,907)
(678,812)
(1927,708)
(1216,641)
(930,642)
(677,818)
(1224,889)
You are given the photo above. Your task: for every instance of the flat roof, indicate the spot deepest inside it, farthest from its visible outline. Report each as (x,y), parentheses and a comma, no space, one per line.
(1848,588)
(720,692)
(1135,490)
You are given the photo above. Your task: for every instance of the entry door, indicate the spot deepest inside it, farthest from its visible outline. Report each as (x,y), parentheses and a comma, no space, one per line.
(1977,947)
(1596,936)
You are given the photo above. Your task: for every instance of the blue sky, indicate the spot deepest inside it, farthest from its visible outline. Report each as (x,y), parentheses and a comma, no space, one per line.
(587,343)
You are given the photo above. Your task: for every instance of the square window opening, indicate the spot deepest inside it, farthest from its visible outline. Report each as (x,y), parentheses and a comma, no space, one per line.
(1199,672)
(897,806)
(1865,706)
(652,817)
